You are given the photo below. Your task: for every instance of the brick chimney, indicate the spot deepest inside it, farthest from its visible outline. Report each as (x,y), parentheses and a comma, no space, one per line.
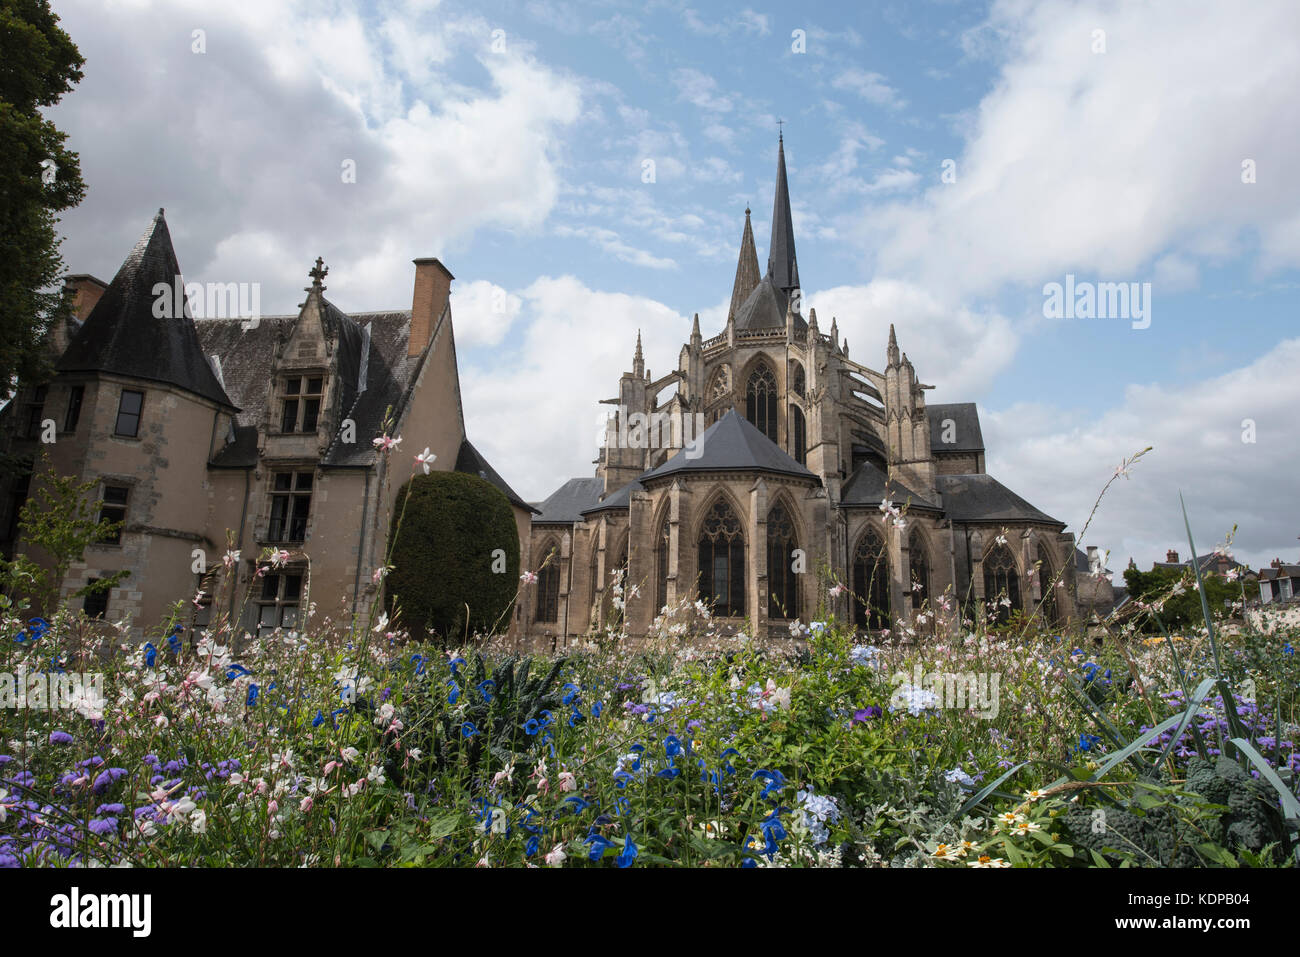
(432,290)
(1171,557)
(85,290)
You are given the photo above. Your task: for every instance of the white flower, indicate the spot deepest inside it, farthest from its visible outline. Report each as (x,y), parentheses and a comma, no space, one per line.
(425,459)
(349,754)
(386,442)
(556,857)
(528,578)
(230,559)
(199,822)
(382,623)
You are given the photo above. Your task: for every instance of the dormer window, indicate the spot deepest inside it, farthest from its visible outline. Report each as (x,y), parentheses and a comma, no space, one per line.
(300,410)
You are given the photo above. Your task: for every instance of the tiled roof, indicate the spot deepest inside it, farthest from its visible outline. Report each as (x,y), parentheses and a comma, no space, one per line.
(123,336)
(566,504)
(731,444)
(868,486)
(981,498)
(965,432)
(619,499)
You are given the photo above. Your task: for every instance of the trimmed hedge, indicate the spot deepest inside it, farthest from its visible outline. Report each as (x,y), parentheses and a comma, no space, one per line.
(443,557)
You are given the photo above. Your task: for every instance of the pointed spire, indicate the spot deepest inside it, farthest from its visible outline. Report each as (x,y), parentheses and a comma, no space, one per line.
(782,266)
(695,328)
(893,347)
(835,335)
(138,333)
(747,275)
(638,360)
(317,276)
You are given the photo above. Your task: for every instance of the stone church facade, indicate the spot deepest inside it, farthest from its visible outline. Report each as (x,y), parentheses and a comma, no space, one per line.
(211,436)
(788,490)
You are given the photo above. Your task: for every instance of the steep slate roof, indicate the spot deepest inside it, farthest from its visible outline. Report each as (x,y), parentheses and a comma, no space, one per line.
(868,486)
(122,336)
(620,499)
(731,444)
(782,265)
(982,498)
(566,503)
(1273,572)
(248,354)
(765,309)
(966,422)
(471,462)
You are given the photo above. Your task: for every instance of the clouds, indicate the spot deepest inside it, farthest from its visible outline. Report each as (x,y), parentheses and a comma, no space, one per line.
(870,87)
(1103,162)
(1061,461)
(246,143)
(533,409)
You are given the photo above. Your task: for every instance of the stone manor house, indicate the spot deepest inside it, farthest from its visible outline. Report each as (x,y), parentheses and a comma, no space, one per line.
(263,428)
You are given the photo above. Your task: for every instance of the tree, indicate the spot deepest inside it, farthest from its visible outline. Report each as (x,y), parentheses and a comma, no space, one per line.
(455,556)
(1183,609)
(38,64)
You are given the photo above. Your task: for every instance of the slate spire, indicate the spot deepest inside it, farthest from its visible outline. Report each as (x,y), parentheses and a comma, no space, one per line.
(134,331)
(747,275)
(782,267)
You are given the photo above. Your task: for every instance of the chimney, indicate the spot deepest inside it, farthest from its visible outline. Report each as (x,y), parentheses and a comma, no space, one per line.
(1171,557)
(432,290)
(85,291)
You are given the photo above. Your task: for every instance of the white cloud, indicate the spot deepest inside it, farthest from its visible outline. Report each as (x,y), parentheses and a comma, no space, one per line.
(700,89)
(483,312)
(870,86)
(1196,433)
(1103,162)
(534,412)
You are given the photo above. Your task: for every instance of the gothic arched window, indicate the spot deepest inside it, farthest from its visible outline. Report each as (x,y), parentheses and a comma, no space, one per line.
(799,436)
(871,581)
(1046,584)
(661,568)
(1001,581)
(920,570)
(796,379)
(782,582)
(760,400)
(722,561)
(548,585)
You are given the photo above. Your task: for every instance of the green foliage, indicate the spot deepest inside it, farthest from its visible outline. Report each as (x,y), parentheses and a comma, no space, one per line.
(38,64)
(58,522)
(455,544)
(1180,611)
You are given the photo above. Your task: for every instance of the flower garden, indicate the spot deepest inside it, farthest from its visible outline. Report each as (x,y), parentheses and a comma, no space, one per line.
(346,744)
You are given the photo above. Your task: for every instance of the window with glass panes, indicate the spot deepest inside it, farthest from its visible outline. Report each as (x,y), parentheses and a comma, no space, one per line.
(277,604)
(76,395)
(112,508)
(36,412)
(129,407)
(300,410)
(290,507)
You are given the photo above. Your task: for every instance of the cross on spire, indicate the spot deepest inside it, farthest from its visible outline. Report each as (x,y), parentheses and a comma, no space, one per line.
(319,273)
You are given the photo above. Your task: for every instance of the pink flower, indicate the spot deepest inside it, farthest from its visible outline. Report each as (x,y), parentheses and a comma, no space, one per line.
(386,443)
(379,574)
(528,578)
(306,805)
(837,590)
(568,782)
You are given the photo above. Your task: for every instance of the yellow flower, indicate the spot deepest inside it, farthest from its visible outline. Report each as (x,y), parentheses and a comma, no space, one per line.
(1010,818)
(1024,827)
(944,852)
(986,861)
(1033,795)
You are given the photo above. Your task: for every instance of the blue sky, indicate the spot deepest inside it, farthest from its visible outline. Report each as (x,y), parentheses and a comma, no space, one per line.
(511,141)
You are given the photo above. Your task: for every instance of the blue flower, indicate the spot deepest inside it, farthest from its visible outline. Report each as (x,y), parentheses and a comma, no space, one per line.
(252,695)
(150,654)
(419,661)
(174,642)
(596,709)
(629,853)
(672,746)
(484,688)
(579,805)
(727,764)
(467,730)
(317,721)
(546,718)
(454,694)
(599,845)
(573,692)
(531,726)
(531,847)
(575,717)
(775,781)
(454,662)
(622,778)
(234,671)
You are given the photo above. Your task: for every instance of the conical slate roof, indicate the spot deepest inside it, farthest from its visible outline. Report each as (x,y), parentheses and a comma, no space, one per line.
(765,309)
(747,275)
(781,263)
(732,444)
(122,336)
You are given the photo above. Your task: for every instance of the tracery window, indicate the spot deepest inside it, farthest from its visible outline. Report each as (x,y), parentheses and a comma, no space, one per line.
(871,581)
(722,561)
(760,400)
(548,586)
(661,568)
(782,582)
(919,570)
(799,436)
(1001,582)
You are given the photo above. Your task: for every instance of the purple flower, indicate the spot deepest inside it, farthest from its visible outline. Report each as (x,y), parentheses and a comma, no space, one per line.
(60,737)
(105,779)
(863,715)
